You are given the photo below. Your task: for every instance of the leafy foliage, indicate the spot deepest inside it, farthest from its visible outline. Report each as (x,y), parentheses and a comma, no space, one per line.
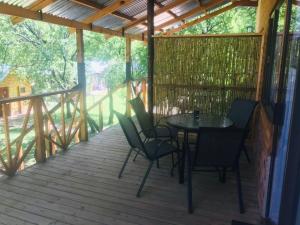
(46,54)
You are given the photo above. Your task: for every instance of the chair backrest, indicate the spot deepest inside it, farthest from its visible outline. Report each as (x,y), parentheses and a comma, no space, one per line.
(130,132)
(241,112)
(143,117)
(219,147)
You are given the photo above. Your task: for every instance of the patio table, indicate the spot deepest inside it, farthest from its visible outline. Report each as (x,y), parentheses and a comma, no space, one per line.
(187,123)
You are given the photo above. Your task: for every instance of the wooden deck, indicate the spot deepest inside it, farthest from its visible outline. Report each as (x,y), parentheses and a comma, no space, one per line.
(81,187)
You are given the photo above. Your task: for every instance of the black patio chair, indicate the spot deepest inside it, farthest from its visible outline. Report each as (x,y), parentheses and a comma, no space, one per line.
(240,113)
(220,150)
(152,150)
(148,129)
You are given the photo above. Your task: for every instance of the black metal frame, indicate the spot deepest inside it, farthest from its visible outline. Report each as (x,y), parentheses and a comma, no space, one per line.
(141,150)
(291,188)
(235,167)
(277,111)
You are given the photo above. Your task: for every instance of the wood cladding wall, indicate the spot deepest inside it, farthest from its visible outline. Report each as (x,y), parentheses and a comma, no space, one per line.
(263,139)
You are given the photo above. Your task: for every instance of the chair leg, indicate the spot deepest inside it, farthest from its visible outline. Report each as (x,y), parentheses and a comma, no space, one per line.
(239,186)
(125,162)
(173,165)
(136,155)
(138,194)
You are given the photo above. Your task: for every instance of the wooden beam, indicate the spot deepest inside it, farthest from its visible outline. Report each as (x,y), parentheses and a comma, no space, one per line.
(203,18)
(100,13)
(248,3)
(159,5)
(202,8)
(209,15)
(96,5)
(150,19)
(83,132)
(38,118)
(128,59)
(35,6)
(26,13)
(106,11)
(158,12)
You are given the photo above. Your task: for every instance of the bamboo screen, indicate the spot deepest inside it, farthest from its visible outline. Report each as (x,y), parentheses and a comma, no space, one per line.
(205,73)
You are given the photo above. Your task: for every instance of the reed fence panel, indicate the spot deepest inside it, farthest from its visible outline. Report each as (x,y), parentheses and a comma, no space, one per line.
(204,72)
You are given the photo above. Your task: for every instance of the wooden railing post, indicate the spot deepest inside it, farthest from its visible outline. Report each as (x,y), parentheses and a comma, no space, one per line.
(111,107)
(144,90)
(5,112)
(128,97)
(40,152)
(100,117)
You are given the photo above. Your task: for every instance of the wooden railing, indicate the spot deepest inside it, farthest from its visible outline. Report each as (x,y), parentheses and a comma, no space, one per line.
(52,122)
(134,88)
(44,134)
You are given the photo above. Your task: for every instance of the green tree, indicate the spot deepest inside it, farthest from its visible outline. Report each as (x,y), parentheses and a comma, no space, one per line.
(44,53)
(237,20)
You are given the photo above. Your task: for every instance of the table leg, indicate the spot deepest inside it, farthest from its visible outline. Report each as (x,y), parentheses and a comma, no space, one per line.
(189,178)
(182,161)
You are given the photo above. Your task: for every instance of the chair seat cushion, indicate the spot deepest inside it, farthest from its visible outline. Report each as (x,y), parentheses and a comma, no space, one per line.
(164,147)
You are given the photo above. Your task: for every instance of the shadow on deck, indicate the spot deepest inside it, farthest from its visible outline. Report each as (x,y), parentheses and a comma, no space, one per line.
(81,187)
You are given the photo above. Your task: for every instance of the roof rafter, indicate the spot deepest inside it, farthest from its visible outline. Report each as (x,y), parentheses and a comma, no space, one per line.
(95,5)
(201,19)
(29,14)
(201,8)
(210,15)
(106,11)
(159,5)
(100,13)
(157,12)
(35,6)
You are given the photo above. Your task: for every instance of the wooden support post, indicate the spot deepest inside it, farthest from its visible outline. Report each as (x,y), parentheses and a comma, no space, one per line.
(63,122)
(150,12)
(128,98)
(40,152)
(5,112)
(128,75)
(47,142)
(82,82)
(100,117)
(111,107)
(19,102)
(144,90)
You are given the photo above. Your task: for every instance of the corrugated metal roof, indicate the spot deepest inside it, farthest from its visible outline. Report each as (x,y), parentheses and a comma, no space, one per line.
(137,9)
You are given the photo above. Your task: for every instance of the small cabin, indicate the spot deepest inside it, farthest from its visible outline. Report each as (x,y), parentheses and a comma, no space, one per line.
(11,85)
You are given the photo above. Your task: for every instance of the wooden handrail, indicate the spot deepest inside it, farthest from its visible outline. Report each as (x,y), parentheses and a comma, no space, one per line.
(29,97)
(48,135)
(99,127)
(38,110)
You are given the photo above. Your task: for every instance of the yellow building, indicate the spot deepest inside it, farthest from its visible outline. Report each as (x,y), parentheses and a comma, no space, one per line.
(12,86)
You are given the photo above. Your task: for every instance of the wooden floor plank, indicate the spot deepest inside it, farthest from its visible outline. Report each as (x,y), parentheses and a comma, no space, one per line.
(81,187)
